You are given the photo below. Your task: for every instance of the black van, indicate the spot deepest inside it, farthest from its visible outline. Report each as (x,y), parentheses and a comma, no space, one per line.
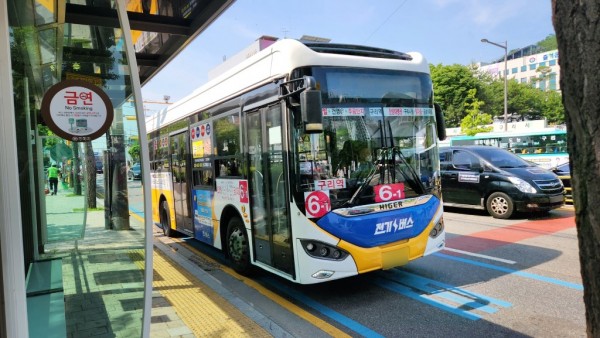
(494,179)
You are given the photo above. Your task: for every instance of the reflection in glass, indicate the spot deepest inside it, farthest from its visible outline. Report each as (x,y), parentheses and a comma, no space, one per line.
(94,224)
(45,12)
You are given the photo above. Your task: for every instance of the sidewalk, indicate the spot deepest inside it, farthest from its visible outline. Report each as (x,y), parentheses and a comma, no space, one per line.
(103,281)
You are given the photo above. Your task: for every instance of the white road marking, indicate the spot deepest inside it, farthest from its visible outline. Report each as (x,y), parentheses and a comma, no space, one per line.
(480,256)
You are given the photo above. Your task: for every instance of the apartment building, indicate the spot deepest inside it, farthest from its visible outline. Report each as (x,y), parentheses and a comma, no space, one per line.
(528,65)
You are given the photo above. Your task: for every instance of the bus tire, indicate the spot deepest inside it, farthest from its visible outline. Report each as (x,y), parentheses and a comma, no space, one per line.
(165,218)
(500,205)
(238,248)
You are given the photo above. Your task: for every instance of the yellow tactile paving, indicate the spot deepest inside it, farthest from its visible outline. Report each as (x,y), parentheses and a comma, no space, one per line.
(316,321)
(206,313)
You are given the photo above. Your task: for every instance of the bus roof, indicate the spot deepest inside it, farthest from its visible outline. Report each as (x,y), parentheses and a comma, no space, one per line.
(276,62)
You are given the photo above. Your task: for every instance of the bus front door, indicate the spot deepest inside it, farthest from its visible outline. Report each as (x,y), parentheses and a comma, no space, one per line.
(179,153)
(271,233)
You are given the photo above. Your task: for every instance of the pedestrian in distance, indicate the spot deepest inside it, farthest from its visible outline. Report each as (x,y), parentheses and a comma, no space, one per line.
(53,173)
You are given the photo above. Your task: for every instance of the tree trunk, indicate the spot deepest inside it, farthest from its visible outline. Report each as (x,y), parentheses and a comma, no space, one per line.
(119,195)
(76,169)
(90,177)
(577,25)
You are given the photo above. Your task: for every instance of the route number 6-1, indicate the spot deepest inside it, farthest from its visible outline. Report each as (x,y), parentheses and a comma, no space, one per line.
(317,203)
(389,192)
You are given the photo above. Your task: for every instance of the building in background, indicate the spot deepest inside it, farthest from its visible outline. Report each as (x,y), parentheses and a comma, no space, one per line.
(528,65)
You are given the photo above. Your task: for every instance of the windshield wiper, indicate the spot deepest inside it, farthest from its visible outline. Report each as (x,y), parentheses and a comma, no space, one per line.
(368,179)
(403,158)
(411,170)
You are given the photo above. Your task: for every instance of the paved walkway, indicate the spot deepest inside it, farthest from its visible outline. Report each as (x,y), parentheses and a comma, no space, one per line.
(103,281)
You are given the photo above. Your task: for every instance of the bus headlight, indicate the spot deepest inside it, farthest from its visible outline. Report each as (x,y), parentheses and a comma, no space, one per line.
(321,250)
(522,185)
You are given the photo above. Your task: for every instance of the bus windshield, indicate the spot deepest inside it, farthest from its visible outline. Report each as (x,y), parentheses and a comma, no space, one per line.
(379,140)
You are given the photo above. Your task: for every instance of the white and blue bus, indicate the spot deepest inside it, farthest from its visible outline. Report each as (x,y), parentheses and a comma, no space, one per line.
(314,161)
(547,147)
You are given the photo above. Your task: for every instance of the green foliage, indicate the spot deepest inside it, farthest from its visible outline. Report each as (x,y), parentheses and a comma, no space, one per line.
(548,44)
(475,121)
(46,161)
(44,130)
(451,85)
(553,108)
(88,209)
(134,152)
(58,149)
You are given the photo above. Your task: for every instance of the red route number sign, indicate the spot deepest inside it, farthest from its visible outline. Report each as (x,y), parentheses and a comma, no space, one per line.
(389,192)
(243,191)
(316,203)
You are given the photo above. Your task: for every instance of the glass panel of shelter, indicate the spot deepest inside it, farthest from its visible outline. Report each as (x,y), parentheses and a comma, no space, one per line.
(98,260)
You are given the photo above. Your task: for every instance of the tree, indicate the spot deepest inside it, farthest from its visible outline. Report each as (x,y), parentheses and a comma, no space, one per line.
(451,85)
(524,100)
(578,34)
(134,152)
(492,93)
(90,181)
(548,44)
(475,121)
(552,107)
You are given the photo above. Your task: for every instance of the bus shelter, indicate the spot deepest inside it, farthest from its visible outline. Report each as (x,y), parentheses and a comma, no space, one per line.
(75,231)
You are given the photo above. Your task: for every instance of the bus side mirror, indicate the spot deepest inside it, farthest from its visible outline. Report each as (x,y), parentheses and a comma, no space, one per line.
(311,110)
(440,123)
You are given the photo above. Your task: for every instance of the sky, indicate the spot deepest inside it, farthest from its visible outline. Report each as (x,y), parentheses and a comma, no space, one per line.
(444,31)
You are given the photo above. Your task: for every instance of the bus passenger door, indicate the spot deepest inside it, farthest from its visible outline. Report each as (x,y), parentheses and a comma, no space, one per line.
(179,153)
(268,186)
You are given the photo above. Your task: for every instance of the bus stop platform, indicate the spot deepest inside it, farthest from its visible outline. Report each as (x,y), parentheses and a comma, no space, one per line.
(197,303)
(103,293)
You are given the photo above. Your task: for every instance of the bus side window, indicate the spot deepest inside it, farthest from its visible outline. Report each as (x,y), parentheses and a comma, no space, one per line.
(203,177)
(228,167)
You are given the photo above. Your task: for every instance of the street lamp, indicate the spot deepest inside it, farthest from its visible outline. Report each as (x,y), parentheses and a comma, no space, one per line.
(505,47)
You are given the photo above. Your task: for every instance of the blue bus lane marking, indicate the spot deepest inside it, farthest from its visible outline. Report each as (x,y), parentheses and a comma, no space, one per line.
(513,272)
(137,212)
(440,295)
(338,317)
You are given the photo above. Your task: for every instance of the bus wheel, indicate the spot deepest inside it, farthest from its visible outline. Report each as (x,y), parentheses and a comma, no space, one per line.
(164,219)
(500,205)
(237,246)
